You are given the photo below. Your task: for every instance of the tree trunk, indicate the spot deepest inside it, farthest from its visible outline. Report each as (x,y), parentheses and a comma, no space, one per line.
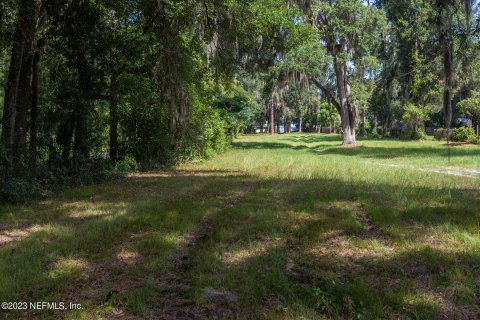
(272,120)
(363,126)
(11,88)
(80,145)
(446,38)
(316,128)
(34,107)
(388,101)
(345,114)
(407,89)
(24,104)
(353,115)
(65,136)
(375,125)
(26,18)
(113,118)
(300,123)
(447,93)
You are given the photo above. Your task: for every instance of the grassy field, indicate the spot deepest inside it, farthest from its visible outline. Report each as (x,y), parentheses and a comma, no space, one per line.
(294,225)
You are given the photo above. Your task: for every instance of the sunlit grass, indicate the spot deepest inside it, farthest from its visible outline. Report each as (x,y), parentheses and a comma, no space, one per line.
(294,225)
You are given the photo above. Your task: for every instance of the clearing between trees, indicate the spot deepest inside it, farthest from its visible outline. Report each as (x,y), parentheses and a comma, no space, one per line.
(278,227)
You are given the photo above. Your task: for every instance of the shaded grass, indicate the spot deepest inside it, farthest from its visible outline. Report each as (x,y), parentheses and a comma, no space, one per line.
(405,152)
(281,222)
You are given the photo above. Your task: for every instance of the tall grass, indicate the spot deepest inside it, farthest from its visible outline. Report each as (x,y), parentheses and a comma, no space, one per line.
(294,225)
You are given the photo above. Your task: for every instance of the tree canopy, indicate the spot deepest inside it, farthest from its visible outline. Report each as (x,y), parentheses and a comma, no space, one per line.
(166,81)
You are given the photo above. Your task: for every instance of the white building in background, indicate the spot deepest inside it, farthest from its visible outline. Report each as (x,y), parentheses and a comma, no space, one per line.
(463,120)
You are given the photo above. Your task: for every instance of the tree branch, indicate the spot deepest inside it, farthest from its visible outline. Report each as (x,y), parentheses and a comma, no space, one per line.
(327,92)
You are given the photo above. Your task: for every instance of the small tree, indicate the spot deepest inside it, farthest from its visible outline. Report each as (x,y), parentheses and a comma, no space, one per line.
(327,115)
(414,117)
(471,108)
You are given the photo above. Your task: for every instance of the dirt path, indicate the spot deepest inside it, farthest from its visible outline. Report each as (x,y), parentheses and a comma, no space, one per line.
(454,171)
(176,302)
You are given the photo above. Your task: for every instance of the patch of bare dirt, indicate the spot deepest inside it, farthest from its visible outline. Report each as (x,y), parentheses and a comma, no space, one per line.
(8,236)
(370,229)
(444,301)
(364,219)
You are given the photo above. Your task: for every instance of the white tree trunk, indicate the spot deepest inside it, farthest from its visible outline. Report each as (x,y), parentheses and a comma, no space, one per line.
(347,118)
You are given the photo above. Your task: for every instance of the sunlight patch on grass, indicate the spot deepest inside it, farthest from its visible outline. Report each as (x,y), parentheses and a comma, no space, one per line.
(239,255)
(429,302)
(129,257)
(8,236)
(85,209)
(67,266)
(349,250)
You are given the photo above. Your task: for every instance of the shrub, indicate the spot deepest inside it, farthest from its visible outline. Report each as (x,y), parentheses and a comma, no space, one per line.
(409,133)
(211,137)
(464,134)
(21,188)
(91,171)
(419,134)
(471,108)
(414,117)
(127,164)
(441,134)
(17,190)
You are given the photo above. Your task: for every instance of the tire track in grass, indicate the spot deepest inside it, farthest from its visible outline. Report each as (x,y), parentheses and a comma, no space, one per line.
(174,302)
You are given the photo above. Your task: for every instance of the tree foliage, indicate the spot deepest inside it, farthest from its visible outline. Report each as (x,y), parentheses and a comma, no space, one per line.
(167,81)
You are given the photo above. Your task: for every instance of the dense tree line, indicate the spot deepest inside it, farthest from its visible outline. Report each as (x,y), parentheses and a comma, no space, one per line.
(388,66)
(94,83)
(144,80)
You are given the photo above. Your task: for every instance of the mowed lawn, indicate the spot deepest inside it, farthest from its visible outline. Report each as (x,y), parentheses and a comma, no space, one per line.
(295,226)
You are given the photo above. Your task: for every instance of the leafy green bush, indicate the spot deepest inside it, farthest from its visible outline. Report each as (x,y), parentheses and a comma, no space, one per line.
(419,134)
(127,164)
(18,190)
(414,117)
(414,114)
(214,136)
(441,134)
(207,136)
(471,108)
(86,172)
(464,134)
(409,133)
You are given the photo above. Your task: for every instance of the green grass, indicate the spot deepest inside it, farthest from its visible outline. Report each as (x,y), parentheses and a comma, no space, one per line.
(294,225)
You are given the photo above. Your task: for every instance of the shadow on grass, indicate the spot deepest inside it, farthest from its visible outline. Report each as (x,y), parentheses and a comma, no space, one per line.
(314,138)
(389,152)
(306,253)
(292,244)
(359,151)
